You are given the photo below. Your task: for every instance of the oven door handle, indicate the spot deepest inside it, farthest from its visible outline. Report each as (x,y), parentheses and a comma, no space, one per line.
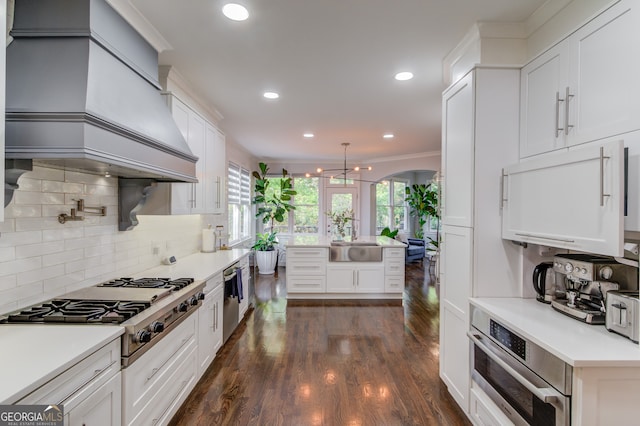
(548,395)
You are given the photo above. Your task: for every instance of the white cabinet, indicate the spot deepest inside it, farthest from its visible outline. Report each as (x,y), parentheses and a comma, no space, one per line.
(571,200)
(584,88)
(246,276)
(90,391)
(207,196)
(307,269)
(394,270)
(457,153)
(479,137)
(210,323)
(355,277)
(160,380)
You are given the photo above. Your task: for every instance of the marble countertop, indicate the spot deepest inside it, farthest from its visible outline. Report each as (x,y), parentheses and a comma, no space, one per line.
(324,241)
(33,354)
(576,343)
(43,351)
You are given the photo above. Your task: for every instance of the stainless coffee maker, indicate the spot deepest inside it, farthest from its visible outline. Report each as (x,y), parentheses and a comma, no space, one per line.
(587,280)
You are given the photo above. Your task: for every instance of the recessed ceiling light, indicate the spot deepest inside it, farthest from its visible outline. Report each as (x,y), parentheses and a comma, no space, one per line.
(271,95)
(308,135)
(388,136)
(235,12)
(405,75)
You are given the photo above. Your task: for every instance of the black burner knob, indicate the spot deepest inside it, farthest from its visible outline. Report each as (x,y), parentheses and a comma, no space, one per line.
(143,336)
(193,301)
(156,327)
(200,296)
(183,307)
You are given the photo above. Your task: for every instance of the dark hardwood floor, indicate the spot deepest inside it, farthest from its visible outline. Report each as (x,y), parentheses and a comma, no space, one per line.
(328,363)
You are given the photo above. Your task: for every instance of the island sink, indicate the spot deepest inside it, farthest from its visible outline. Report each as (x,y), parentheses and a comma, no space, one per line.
(355,251)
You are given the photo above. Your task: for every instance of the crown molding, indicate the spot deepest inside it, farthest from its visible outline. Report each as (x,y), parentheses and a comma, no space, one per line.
(133,16)
(169,73)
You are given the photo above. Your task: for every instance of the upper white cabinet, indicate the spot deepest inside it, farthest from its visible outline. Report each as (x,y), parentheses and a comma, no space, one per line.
(207,196)
(585,88)
(457,153)
(571,200)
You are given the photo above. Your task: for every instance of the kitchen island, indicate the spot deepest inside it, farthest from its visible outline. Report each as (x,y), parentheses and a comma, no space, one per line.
(313,274)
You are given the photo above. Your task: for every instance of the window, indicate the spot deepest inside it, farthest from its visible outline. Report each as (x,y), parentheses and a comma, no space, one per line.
(239,203)
(304,218)
(391,209)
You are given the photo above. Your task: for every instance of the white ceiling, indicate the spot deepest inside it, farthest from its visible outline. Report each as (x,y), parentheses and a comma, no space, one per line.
(332,61)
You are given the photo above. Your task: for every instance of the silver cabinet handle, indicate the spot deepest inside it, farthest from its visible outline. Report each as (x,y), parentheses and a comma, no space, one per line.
(558,128)
(545,238)
(548,395)
(602,194)
(218,191)
(502,189)
(96,373)
(567,97)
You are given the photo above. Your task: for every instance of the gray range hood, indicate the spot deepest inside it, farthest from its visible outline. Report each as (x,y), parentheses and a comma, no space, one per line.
(82,94)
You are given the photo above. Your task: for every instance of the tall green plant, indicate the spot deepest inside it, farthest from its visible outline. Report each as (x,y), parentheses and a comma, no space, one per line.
(423,201)
(273,206)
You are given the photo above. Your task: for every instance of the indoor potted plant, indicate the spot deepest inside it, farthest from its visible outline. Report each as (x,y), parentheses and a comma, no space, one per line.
(273,206)
(423,200)
(339,221)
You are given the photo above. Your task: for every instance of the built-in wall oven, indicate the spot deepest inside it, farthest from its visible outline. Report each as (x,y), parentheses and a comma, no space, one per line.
(527,383)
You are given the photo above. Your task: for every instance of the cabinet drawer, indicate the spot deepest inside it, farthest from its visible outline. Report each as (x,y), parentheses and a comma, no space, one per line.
(86,376)
(394,267)
(394,253)
(143,379)
(484,412)
(173,391)
(307,267)
(213,282)
(307,253)
(393,284)
(302,284)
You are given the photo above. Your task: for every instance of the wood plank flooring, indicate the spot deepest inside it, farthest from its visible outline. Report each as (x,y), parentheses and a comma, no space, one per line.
(328,363)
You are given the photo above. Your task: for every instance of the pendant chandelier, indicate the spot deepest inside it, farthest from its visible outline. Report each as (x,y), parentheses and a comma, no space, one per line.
(344,171)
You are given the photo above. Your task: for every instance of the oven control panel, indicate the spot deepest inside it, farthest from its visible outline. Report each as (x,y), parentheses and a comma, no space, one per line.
(508,339)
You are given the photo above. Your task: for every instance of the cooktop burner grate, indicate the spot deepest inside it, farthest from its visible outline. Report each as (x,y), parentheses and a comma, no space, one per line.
(80,311)
(174,285)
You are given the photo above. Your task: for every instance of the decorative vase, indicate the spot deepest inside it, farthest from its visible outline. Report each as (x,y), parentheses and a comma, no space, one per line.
(266,261)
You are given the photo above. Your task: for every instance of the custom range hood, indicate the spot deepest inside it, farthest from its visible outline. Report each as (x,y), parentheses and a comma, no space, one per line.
(83,94)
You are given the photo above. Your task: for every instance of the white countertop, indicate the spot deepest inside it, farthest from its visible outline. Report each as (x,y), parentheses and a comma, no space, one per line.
(33,354)
(577,343)
(324,241)
(200,266)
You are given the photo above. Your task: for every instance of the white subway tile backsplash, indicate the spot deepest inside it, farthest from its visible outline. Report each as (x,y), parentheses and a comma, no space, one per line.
(62,257)
(14,211)
(30,198)
(44,173)
(41,258)
(20,265)
(33,250)
(40,275)
(12,239)
(29,184)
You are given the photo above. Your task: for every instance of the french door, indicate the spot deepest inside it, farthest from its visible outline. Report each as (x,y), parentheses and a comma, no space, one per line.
(339,199)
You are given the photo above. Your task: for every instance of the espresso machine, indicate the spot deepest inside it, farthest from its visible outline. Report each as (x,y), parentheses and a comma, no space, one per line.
(587,279)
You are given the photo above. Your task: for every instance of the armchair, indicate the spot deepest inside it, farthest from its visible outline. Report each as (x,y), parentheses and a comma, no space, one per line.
(416,249)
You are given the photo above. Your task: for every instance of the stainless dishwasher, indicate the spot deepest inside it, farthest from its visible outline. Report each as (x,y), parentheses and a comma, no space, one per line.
(231,306)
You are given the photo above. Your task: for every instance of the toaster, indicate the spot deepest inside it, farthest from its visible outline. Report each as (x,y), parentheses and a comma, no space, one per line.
(622,313)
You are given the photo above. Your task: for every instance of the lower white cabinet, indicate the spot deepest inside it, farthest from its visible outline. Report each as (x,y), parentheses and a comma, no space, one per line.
(483,411)
(157,383)
(394,260)
(355,277)
(246,276)
(90,391)
(210,323)
(307,269)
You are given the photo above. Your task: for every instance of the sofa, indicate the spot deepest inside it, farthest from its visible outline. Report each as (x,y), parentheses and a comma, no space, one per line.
(416,250)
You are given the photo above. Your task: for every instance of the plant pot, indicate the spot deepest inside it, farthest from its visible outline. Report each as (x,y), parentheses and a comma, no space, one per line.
(266,261)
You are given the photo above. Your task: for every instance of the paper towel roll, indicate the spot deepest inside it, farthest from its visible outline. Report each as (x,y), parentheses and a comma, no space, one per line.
(208,241)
